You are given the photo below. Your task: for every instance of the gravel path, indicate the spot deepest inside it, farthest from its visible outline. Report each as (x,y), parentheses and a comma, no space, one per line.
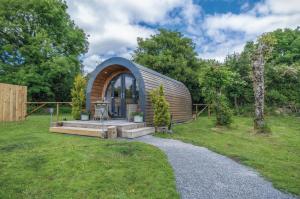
(201,173)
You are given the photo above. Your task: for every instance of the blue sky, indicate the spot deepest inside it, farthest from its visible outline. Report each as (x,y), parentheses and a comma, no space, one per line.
(217,27)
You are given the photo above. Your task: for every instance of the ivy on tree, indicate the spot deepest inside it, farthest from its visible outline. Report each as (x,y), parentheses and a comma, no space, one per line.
(261,53)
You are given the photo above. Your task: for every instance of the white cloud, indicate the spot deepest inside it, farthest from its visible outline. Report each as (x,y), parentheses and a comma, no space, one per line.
(279,7)
(264,17)
(90,61)
(113,26)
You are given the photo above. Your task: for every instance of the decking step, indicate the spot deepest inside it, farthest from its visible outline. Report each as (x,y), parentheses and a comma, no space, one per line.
(79,131)
(121,126)
(133,133)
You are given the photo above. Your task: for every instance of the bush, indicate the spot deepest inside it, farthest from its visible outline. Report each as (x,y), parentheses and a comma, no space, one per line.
(160,106)
(223,112)
(78,96)
(214,82)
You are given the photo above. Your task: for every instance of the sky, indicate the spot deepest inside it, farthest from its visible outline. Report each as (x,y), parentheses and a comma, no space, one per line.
(217,27)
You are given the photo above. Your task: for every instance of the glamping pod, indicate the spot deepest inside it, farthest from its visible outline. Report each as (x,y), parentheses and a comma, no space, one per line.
(125,86)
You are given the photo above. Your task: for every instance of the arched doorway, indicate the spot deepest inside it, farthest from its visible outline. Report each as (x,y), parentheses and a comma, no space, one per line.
(121,91)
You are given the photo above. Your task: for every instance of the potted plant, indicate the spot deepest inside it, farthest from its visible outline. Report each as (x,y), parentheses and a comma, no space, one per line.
(84,116)
(137,116)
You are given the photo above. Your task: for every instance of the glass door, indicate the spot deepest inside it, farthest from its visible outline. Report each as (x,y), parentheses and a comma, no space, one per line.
(122,90)
(117,98)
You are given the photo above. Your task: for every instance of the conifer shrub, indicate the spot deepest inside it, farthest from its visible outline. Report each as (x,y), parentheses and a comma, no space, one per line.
(78,95)
(160,106)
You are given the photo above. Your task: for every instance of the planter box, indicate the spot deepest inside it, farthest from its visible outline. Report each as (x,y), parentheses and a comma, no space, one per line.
(138,119)
(84,117)
(163,129)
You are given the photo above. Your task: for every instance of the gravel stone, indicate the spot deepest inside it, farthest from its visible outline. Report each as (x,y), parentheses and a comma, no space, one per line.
(201,173)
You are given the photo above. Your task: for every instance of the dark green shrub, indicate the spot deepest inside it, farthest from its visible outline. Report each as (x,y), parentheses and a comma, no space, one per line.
(214,82)
(223,113)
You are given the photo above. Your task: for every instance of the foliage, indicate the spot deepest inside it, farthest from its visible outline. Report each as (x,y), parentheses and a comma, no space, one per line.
(283,83)
(171,54)
(84,112)
(78,96)
(223,112)
(40,47)
(214,82)
(241,93)
(275,156)
(38,164)
(282,71)
(160,106)
(138,113)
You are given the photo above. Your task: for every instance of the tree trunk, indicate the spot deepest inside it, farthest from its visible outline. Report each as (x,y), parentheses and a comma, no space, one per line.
(236,104)
(259,89)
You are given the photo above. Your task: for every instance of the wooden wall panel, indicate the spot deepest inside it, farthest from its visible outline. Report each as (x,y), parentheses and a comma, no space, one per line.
(12,102)
(176,93)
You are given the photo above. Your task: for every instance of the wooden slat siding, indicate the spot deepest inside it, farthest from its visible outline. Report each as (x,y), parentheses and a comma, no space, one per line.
(12,102)
(176,94)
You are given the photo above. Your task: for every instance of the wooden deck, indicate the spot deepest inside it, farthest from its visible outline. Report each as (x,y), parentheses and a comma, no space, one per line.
(79,131)
(99,129)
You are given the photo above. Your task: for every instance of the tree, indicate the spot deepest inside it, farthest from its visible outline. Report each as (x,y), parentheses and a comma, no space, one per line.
(78,96)
(281,71)
(261,52)
(171,54)
(40,47)
(160,106)
(214,82)
(241,93)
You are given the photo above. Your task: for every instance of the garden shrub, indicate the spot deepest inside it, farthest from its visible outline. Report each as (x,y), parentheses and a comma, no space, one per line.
(214,82)
(78,96)
(160,106)
(223,112)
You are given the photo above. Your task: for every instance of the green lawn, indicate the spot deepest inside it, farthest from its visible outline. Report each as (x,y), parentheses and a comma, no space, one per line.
(37,164)
(276,156)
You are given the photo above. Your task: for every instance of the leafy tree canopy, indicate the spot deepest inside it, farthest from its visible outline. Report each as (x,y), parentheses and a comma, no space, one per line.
(282,74)
(39,47)
(171,54)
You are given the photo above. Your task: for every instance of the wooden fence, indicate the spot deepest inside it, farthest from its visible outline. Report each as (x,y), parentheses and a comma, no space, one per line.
(12,102)
(39,105)
(200,108)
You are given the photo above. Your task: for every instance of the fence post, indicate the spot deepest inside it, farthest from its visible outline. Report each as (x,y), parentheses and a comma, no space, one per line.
(196,111)
(57,111)
(208,110)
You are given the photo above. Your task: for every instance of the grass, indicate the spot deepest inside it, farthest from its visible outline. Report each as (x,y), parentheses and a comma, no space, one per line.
(37,164)
(275,156)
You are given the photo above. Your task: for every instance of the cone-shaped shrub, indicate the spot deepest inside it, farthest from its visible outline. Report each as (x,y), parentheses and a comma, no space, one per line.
(78,96)
(160,107)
